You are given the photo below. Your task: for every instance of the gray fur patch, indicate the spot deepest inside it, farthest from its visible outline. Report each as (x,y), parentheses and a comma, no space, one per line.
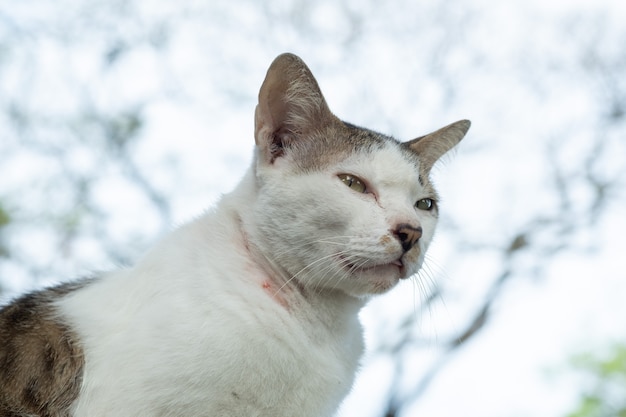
(331,144)
(41,362)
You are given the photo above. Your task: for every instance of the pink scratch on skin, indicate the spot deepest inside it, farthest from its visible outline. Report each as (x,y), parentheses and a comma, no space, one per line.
(277,295)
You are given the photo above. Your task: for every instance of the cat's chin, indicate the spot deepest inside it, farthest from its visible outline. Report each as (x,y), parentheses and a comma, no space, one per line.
(378,278)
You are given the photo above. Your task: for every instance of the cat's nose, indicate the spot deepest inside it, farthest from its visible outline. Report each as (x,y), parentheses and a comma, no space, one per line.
(408,235)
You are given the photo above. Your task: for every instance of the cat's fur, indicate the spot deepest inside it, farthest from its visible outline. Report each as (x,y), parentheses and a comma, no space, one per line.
(251,309)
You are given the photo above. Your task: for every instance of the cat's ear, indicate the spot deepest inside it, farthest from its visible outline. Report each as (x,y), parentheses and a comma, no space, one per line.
(290,105)
(433,146)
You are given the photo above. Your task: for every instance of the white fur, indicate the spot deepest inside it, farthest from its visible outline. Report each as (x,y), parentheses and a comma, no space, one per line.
(248,311)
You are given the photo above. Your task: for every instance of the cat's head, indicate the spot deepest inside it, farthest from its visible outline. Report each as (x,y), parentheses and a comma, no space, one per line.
(339,207)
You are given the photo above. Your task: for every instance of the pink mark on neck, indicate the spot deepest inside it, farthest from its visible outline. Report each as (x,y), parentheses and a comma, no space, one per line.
(276,293)
(270,286)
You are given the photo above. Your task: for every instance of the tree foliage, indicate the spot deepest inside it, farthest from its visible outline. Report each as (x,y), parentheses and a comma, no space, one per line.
(605,377)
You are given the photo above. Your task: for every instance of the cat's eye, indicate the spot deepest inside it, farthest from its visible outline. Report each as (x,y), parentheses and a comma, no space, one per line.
(426,204)
(355,183)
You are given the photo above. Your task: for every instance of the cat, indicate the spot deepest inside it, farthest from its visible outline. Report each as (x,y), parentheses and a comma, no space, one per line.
(250,309)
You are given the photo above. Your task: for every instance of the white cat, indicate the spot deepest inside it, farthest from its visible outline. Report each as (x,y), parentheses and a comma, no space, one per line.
(251,309)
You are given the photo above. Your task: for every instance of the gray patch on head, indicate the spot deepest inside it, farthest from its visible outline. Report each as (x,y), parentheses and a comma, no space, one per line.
(41,361)
(332,144)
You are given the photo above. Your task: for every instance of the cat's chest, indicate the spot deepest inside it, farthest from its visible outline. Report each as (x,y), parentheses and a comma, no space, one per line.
(316,368)
(282,355)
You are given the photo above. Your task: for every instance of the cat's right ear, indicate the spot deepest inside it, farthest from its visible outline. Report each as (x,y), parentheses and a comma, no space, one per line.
(290,105)
(433,146)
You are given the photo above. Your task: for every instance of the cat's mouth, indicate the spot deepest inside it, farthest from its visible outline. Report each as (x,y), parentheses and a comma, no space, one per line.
(376,268)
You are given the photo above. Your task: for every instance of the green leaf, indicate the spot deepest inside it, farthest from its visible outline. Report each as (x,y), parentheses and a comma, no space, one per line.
(608,374)
(5,218)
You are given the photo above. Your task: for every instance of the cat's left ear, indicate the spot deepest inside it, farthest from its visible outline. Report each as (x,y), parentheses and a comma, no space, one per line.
(291,105)
(431,147)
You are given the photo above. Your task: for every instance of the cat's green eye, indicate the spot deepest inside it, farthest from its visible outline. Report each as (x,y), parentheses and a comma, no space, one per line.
(426,204)
(355,183)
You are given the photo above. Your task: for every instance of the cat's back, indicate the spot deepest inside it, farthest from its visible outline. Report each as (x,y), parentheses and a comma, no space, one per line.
(41,361)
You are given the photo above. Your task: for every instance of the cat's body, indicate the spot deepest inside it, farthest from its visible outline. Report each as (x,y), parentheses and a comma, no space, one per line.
(251,309)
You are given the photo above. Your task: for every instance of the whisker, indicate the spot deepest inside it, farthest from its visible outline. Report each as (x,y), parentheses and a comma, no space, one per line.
(301,245)
(301,271)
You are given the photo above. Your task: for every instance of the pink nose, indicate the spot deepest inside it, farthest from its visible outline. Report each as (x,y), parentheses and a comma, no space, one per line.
(408,235)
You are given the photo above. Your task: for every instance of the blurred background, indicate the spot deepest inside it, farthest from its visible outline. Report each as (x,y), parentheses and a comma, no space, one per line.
(121,118)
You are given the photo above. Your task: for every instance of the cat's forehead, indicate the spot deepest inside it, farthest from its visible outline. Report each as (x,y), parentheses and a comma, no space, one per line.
(387,165)
(371,142)
(385,150)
